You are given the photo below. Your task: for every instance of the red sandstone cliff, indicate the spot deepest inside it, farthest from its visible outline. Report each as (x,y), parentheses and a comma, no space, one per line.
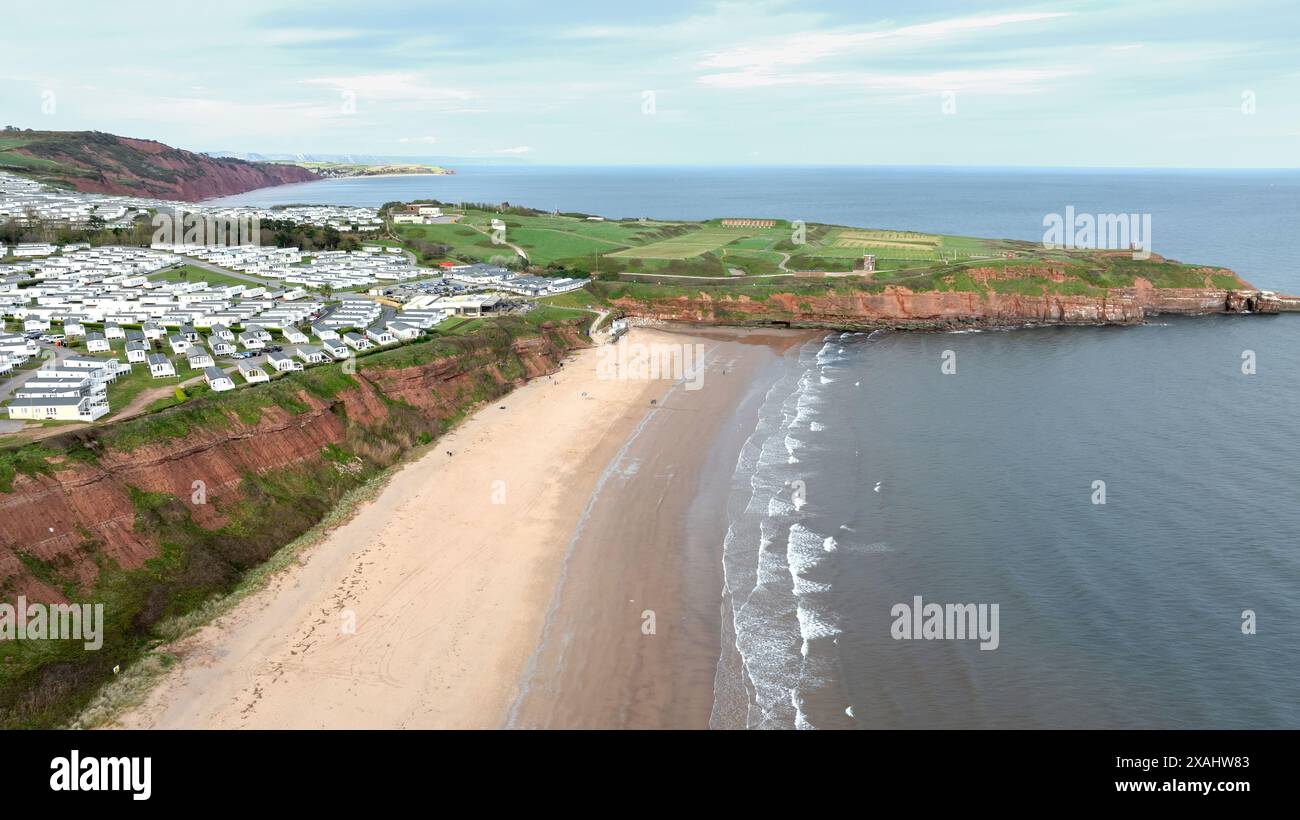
(83,510)
(95,162)
(898,307)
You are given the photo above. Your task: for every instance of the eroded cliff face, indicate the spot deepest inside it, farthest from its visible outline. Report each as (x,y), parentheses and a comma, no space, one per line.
(94,162)
(53,517)
(902,308)
(153,515)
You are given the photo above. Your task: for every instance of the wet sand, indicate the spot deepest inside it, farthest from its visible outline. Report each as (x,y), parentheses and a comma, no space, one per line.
(509,583)
(633,635)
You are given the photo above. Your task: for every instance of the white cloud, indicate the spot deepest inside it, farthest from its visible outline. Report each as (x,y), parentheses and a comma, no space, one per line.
(220,117)
(518,150)
(810,47)
(991,81)
(421,140)
(393,87)
(300,36)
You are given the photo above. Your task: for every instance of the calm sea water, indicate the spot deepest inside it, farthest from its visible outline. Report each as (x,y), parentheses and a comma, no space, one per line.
(871,477)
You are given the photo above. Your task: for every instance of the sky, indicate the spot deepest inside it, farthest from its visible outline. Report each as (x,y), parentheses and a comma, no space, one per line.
(1158,83)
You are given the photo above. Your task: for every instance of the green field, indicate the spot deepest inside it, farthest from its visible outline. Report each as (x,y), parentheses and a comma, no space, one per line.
(665,251)
(579,244)
(683,247)
(193,273)
(567,241)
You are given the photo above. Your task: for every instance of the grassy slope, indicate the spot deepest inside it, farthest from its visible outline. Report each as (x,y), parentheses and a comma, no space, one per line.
(56,172)
(63,158)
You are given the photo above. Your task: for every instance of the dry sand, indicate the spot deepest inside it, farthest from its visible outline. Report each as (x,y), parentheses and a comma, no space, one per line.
(504,584)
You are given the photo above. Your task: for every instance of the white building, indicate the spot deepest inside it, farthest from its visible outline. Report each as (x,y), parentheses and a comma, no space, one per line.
(198,357)
(137,352)
(58,408)
(252,373)
(311,354)
(283,363)
(218,379)
(160,367)
(403,331)
(17,347)
(357,342)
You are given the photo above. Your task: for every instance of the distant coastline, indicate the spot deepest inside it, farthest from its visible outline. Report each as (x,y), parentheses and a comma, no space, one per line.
(337,170)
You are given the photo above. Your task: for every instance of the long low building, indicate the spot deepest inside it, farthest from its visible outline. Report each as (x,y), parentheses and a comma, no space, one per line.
(466,304)
(58,408)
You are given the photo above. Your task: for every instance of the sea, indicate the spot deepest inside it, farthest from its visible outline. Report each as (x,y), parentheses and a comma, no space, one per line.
(1114,512)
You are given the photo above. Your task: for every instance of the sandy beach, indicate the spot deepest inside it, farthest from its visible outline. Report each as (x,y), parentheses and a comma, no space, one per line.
(509,583)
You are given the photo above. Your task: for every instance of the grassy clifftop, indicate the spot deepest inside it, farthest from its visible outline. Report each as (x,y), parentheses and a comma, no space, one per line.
(761,252)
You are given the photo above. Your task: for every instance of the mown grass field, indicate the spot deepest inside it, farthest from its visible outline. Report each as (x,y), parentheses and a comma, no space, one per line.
(547,239)
(685,246)
(193,273)
(708,249)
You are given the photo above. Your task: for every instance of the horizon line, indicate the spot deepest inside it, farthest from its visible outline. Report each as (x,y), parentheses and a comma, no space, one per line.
(489,161)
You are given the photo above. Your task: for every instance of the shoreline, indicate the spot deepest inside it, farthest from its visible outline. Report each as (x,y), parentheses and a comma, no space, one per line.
(443,625)
(634,629)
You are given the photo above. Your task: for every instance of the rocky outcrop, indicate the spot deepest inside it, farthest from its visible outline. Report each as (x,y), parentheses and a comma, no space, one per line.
(1257,301)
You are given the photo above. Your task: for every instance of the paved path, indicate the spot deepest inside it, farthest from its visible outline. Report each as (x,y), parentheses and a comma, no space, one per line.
(520,251)
(234,274)
(709,278)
